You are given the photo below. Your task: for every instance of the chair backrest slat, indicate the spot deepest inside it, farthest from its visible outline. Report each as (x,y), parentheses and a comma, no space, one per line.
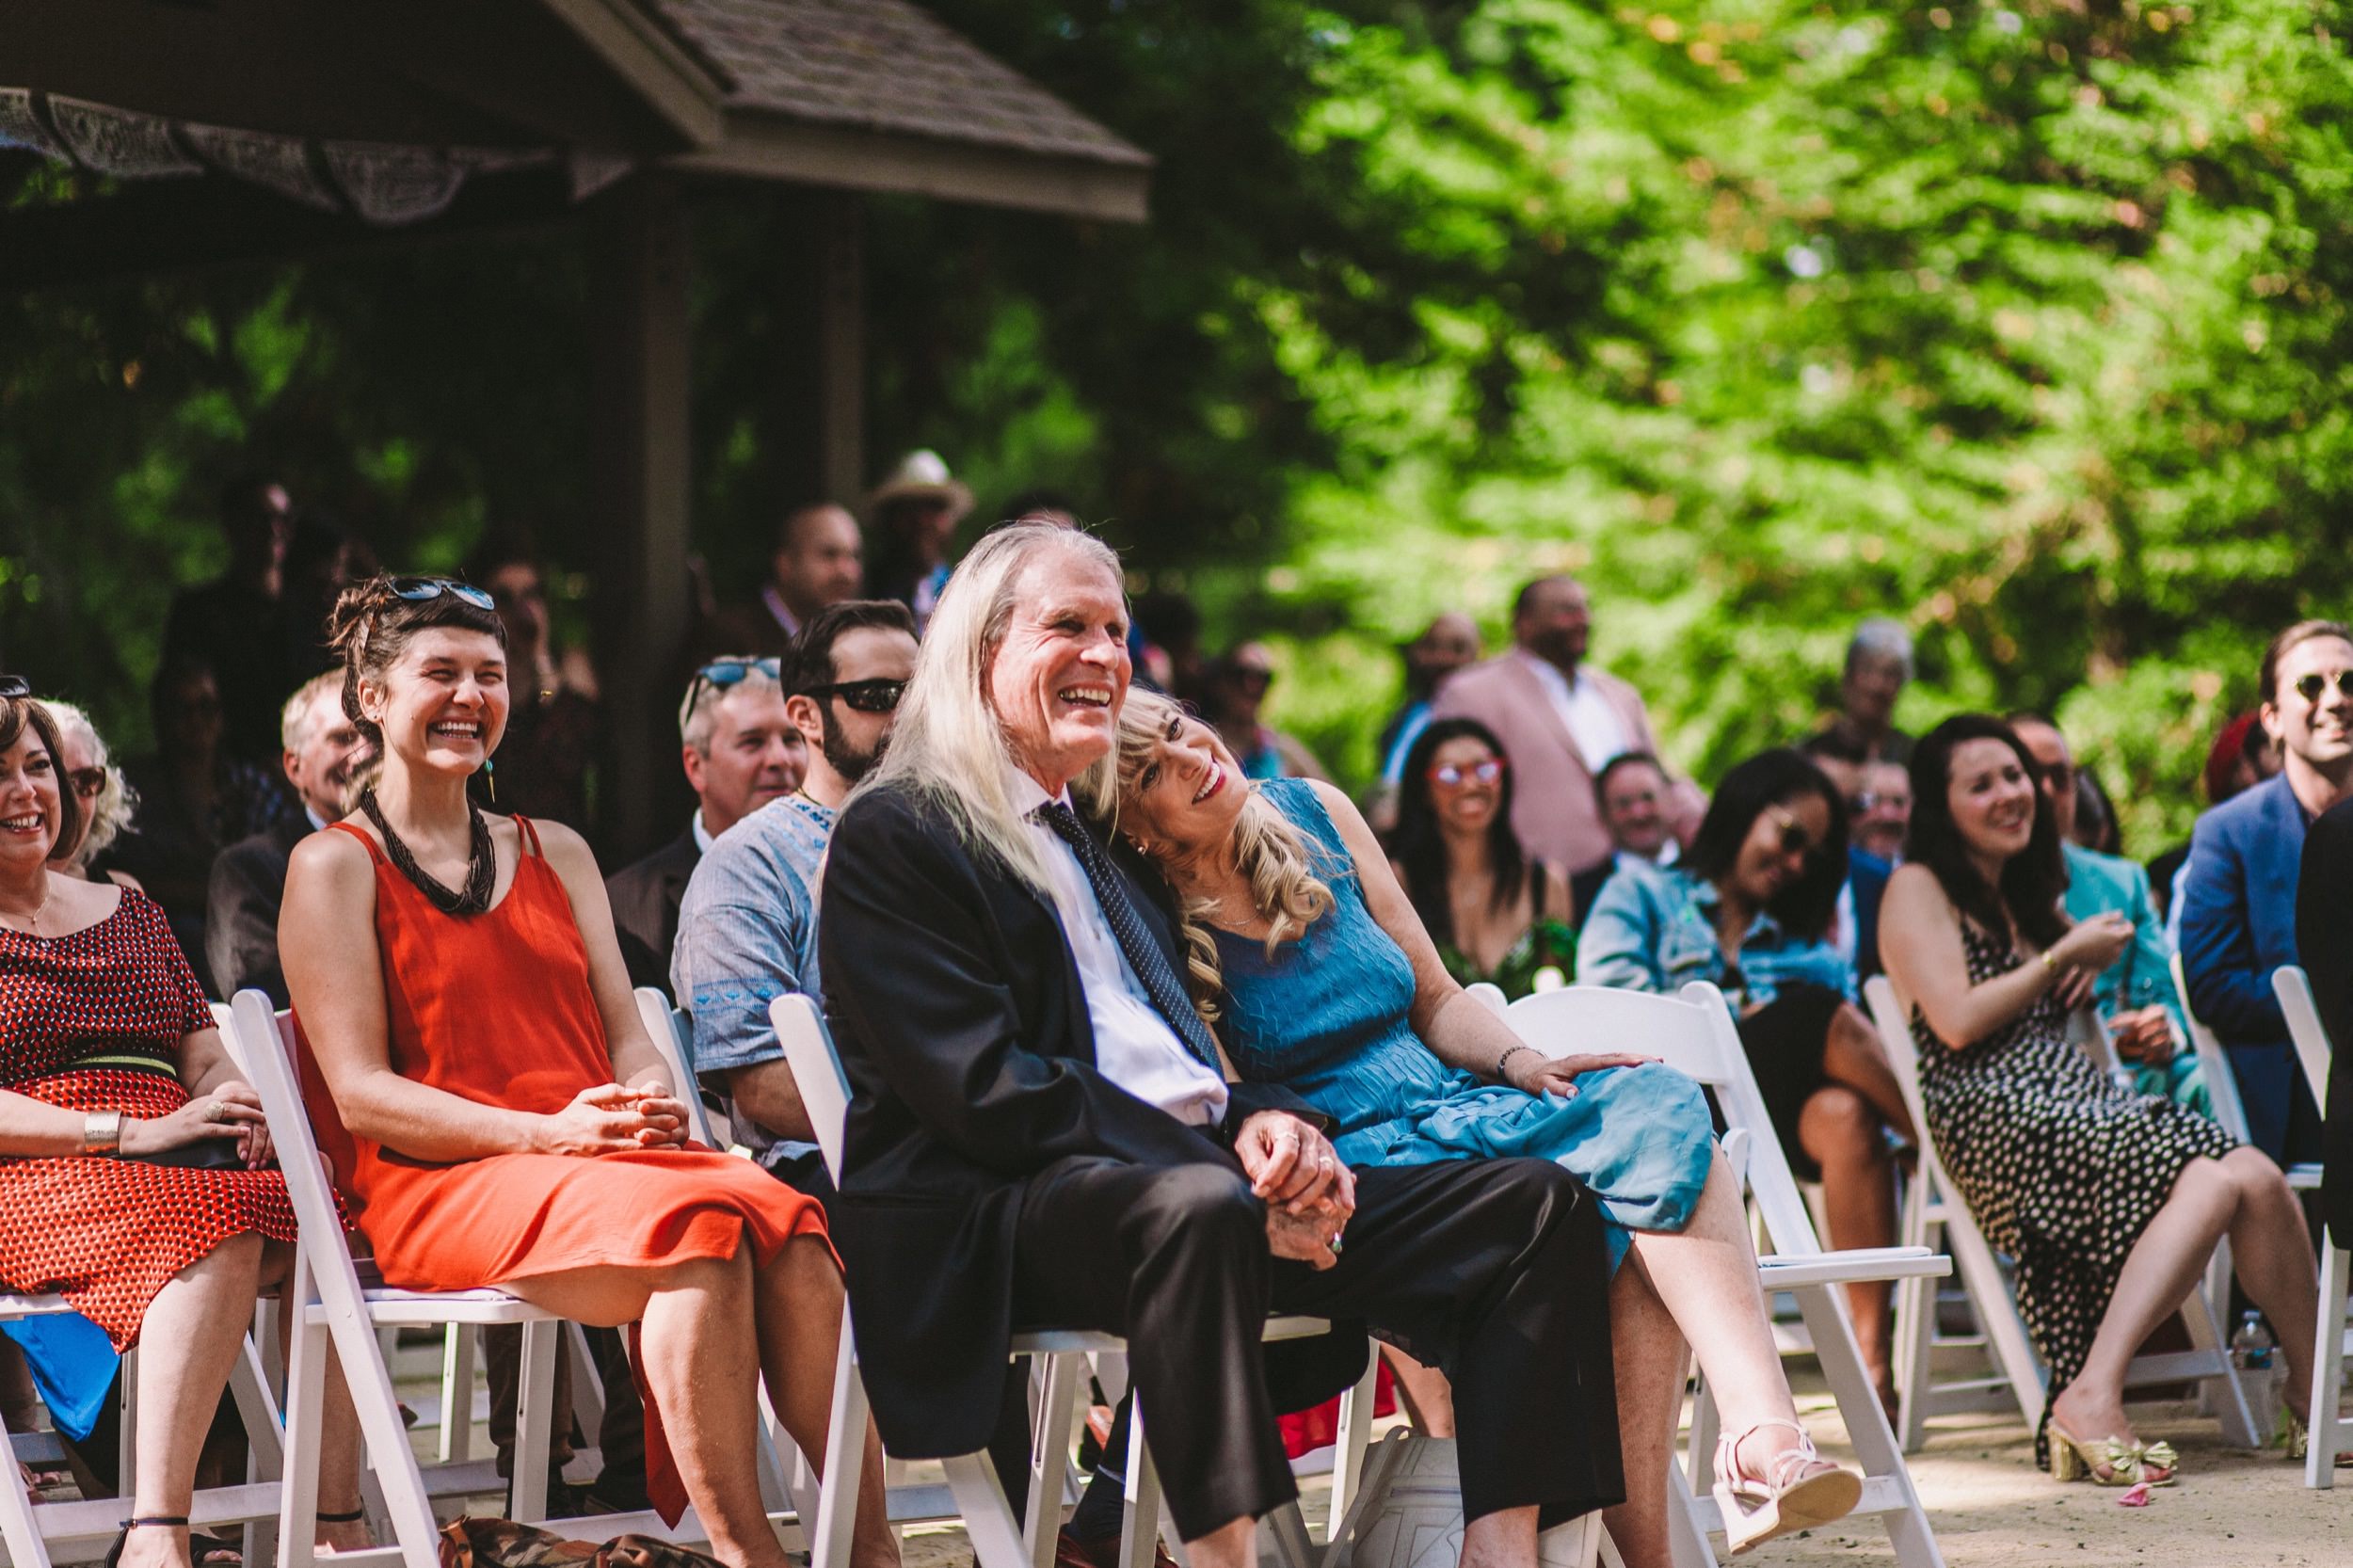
(816,1072)
(2294,988)
(2214,1063)
(1695,1033)
(665,1025)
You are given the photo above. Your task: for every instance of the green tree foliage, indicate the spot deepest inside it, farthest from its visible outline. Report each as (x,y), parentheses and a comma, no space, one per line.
(2023,321)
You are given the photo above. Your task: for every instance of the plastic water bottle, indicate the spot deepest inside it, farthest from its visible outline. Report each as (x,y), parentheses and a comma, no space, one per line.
(2251,1346)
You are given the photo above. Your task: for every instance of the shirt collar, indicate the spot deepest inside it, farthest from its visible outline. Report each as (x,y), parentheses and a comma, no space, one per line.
(781,611)
(1028,794)
(703,834)
(318,824)
(1762,926)
(1549,672)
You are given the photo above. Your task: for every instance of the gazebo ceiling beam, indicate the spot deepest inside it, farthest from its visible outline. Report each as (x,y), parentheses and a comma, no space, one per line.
(849,158)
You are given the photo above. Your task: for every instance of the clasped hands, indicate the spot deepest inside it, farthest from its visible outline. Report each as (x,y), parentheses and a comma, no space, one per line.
(608,1118)
(1309,1194)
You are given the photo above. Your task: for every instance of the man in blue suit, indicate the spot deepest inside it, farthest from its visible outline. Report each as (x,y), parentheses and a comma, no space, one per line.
(2238,904)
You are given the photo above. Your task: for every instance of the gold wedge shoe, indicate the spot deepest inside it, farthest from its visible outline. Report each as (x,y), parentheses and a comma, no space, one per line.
(2128,1463)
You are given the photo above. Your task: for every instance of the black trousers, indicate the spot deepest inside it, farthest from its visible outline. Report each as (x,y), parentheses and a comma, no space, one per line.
(1493,1270)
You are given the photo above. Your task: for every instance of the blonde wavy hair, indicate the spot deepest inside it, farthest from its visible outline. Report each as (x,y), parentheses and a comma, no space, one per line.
(947,748)
(116,803)
(1277,861)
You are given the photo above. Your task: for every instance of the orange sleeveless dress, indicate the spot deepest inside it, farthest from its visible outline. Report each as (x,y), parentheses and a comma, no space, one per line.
(496,1008)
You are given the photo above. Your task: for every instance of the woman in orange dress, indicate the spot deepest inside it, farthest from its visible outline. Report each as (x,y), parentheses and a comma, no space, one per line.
(491,1106)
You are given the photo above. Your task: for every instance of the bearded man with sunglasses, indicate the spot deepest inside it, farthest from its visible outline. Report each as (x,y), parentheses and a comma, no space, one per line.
(2237,891)
(740,750)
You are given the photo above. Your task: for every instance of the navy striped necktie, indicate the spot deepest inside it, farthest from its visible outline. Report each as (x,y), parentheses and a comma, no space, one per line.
(1143,955)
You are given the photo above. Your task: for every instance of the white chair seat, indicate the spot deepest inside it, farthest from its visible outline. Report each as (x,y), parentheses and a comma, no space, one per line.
(1854,1266)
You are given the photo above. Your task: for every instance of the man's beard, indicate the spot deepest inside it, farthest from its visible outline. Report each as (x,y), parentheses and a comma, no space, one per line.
(840,756)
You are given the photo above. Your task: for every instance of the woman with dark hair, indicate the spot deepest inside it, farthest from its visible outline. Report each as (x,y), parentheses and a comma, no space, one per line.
(1495,914)
(1750,909)
(492,1107)
(2109,1201)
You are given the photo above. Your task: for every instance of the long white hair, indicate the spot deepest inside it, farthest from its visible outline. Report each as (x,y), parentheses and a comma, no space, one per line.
(947,748)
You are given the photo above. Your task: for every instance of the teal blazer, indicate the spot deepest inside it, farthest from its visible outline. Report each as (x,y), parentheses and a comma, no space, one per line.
(2142,975)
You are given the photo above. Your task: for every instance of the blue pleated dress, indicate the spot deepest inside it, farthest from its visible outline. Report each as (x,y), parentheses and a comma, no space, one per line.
(1329,1017)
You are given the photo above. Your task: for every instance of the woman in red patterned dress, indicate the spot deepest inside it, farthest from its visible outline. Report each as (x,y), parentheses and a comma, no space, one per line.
(110,1064)
(493,1110)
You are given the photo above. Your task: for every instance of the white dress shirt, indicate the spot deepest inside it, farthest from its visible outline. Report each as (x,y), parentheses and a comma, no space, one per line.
(1592,723)
(1134,1046)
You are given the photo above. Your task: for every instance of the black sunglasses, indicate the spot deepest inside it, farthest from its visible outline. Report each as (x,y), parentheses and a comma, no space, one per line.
(863,697)
(725,673)
(14,687)
(2310,687)
(418,589)
(1795,840)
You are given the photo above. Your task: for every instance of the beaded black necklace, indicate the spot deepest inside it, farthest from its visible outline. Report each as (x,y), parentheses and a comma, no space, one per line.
(482,867)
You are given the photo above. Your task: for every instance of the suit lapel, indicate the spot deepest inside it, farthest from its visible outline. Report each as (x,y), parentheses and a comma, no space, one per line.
(1029,924)
(1538,700)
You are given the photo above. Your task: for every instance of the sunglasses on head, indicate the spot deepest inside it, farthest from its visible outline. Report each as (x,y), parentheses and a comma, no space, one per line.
(863,697)
(14,687)
(1451,777)
(725,673)
(416,591)
(2309,687)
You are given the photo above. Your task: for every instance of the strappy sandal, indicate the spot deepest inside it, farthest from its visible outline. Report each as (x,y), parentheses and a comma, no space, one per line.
(151,1520)
(2127,1463)
(1799,1490)
(2298,1442)
(357,1516)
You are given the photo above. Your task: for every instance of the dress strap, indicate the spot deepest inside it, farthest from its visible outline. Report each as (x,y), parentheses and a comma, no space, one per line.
(375,852)
(531,836)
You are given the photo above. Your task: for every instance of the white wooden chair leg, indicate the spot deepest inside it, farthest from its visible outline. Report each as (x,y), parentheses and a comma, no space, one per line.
(587,1382)
(831,1525)
(2328,1433)
(458,1349)
(1874,1440)
(18,1531)
(1140,1529)
(127,1434)
(1351,1442)
(1287,1533)
(1049,1456)
(306,1401)
(535,1401)
(2239,1424)
(988,1521)
(266,1455)
(785,1481)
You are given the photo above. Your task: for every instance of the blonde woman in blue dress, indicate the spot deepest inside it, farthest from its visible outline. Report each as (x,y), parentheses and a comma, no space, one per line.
(1307,956)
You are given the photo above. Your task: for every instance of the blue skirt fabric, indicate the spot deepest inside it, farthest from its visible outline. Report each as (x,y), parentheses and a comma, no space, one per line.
(1641,1137)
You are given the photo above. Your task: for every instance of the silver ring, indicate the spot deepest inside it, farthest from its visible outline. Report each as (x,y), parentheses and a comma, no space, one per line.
(218,1112)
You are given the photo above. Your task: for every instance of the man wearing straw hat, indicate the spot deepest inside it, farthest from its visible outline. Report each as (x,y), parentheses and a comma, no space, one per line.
(912,514)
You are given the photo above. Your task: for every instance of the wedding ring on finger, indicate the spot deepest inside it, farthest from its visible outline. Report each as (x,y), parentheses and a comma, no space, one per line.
(216,1112)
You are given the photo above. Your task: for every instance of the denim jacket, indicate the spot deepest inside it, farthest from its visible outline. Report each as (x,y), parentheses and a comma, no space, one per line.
(1654,929)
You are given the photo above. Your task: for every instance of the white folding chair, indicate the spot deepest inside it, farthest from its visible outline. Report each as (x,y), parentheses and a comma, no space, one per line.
(1000,1537)
(1693,1033)
(2330,1435)
(2207,1362)
(334,1308)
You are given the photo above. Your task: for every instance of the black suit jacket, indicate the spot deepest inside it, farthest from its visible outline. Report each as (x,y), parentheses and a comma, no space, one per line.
(249,883)
(956,1006)
(2324,940)
(644,897)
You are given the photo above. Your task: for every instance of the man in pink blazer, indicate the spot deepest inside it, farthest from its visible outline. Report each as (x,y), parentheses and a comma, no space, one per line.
(1559,720)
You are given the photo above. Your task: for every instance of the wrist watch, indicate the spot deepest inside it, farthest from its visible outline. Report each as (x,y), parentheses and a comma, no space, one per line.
(102,1133)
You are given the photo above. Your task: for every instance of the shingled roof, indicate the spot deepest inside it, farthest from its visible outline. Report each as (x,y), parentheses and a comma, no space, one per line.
(881,65)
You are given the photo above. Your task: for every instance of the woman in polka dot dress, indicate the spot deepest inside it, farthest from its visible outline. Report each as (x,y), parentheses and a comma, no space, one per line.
(110,1071)
(2109,1201)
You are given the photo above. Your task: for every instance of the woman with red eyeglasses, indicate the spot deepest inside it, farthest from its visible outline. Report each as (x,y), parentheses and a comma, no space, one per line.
(107,799)
(1495,913)
(1749,909)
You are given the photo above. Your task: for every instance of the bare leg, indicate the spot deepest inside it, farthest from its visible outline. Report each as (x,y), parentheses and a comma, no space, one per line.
(702,1359)
(1648,1350)
(2159,1273)
(799,1298)
(188,1340)
(1504,1539)
(1233,1544)
(339,1421)
(1840,1130)
(1706,1275)
(1425,1391)
(1854,1055)
(2273,1255)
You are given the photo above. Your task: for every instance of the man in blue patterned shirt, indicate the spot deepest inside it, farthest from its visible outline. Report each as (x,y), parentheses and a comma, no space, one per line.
(747,927)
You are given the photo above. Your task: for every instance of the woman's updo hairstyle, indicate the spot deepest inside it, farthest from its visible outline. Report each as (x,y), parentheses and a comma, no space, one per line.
(373,623)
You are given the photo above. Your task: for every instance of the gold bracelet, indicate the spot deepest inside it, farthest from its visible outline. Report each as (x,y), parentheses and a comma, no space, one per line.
(2050,963)
(102,1133)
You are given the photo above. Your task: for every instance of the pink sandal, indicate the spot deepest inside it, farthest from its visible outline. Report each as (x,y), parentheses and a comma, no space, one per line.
(1799,1490)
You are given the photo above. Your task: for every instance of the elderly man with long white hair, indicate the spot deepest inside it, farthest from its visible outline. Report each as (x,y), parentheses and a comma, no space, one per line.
(1039,1132)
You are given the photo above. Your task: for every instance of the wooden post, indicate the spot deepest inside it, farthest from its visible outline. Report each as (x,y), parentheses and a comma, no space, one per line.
(820,410)
(641,264)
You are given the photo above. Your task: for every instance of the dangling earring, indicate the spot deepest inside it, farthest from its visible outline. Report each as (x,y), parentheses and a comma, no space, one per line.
(491,778)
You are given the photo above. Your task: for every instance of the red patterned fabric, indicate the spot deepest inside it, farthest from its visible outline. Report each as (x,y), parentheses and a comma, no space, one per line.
(106,1234)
